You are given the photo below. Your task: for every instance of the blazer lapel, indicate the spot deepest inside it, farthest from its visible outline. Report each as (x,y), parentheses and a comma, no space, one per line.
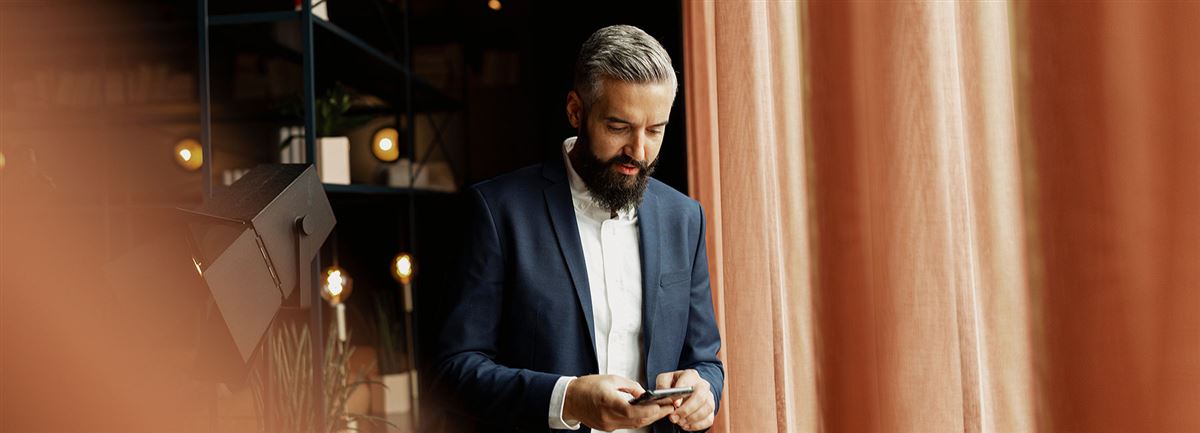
(566,230)
(648,236)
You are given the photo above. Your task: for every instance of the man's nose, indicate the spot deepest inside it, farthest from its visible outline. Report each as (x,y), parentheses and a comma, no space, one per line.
(637,148)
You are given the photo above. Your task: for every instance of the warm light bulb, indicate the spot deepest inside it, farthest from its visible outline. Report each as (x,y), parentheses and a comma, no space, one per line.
(335,291)
(337,285)
(188,154)
(494,4)
(402,268)
(384,144)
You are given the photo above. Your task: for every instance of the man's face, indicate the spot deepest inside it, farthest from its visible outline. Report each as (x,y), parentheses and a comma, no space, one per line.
(620,136)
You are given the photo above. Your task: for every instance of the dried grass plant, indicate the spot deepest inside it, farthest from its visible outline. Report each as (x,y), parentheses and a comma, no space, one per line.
(282,384)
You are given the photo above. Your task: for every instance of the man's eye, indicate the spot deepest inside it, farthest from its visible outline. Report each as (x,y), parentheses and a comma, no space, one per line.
(654,131)
(616,128)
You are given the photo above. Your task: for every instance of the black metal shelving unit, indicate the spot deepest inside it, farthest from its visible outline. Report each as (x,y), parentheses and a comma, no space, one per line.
(416,95)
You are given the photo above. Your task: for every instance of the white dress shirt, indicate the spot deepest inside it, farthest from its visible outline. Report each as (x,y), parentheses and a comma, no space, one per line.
(614,268)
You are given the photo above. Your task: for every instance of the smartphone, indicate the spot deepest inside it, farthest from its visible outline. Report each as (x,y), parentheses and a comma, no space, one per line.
(656,396)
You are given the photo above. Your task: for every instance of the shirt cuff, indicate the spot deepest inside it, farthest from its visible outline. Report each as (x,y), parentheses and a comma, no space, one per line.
(557,398)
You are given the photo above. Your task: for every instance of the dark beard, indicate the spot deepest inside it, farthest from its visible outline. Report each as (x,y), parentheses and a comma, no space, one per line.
(612,190)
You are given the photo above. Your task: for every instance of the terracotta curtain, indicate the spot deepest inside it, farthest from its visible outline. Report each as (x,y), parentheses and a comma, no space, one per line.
(940,216)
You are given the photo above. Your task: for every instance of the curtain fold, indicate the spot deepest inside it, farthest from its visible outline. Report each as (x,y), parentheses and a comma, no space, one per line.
(1111,151)
(938,216)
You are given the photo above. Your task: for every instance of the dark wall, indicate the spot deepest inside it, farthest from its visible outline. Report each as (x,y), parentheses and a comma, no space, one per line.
(525,123)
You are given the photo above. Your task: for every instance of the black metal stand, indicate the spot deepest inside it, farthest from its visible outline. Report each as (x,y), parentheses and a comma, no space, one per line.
(312,28)
(310,298)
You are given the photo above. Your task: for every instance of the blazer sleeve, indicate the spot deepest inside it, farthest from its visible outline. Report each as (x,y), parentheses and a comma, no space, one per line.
(703,339)
(466,366)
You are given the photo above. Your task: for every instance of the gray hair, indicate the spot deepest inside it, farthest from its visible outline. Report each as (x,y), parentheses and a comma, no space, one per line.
(624,53)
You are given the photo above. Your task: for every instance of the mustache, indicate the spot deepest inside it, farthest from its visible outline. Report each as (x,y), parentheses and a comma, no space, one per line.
(628,160)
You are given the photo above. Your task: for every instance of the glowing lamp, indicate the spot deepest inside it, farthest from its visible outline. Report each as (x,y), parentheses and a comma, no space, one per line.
(335,288)
(188,154)
(386,144)
(403,268)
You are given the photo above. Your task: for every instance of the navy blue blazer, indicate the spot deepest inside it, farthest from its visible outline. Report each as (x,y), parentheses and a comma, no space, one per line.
(522,311)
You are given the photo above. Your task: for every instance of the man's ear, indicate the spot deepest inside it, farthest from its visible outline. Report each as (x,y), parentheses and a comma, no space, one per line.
(574,109)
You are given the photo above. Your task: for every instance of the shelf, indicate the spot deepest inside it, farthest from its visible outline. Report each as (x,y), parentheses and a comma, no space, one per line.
(362,45)
(132,114)
(331,188)
(252,18)
(281,16)
(332,40)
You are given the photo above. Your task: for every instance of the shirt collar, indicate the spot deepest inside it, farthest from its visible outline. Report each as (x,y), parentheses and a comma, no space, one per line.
(583,199)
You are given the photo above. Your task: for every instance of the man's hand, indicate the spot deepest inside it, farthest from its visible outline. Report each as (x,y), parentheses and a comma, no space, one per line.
(597,402)
(696,411)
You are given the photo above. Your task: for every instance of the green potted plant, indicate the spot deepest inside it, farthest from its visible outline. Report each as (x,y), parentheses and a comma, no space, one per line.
(333,121)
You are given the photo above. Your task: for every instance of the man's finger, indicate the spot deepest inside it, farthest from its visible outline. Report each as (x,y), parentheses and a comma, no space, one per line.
(664,411)
(702,412)
(640,422)
(691,404)
(665,380)
(701,425)
(693,401)
(688,377)
(645,414)
(625,385)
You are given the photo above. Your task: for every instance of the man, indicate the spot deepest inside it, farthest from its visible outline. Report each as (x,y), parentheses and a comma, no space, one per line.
(583,276)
